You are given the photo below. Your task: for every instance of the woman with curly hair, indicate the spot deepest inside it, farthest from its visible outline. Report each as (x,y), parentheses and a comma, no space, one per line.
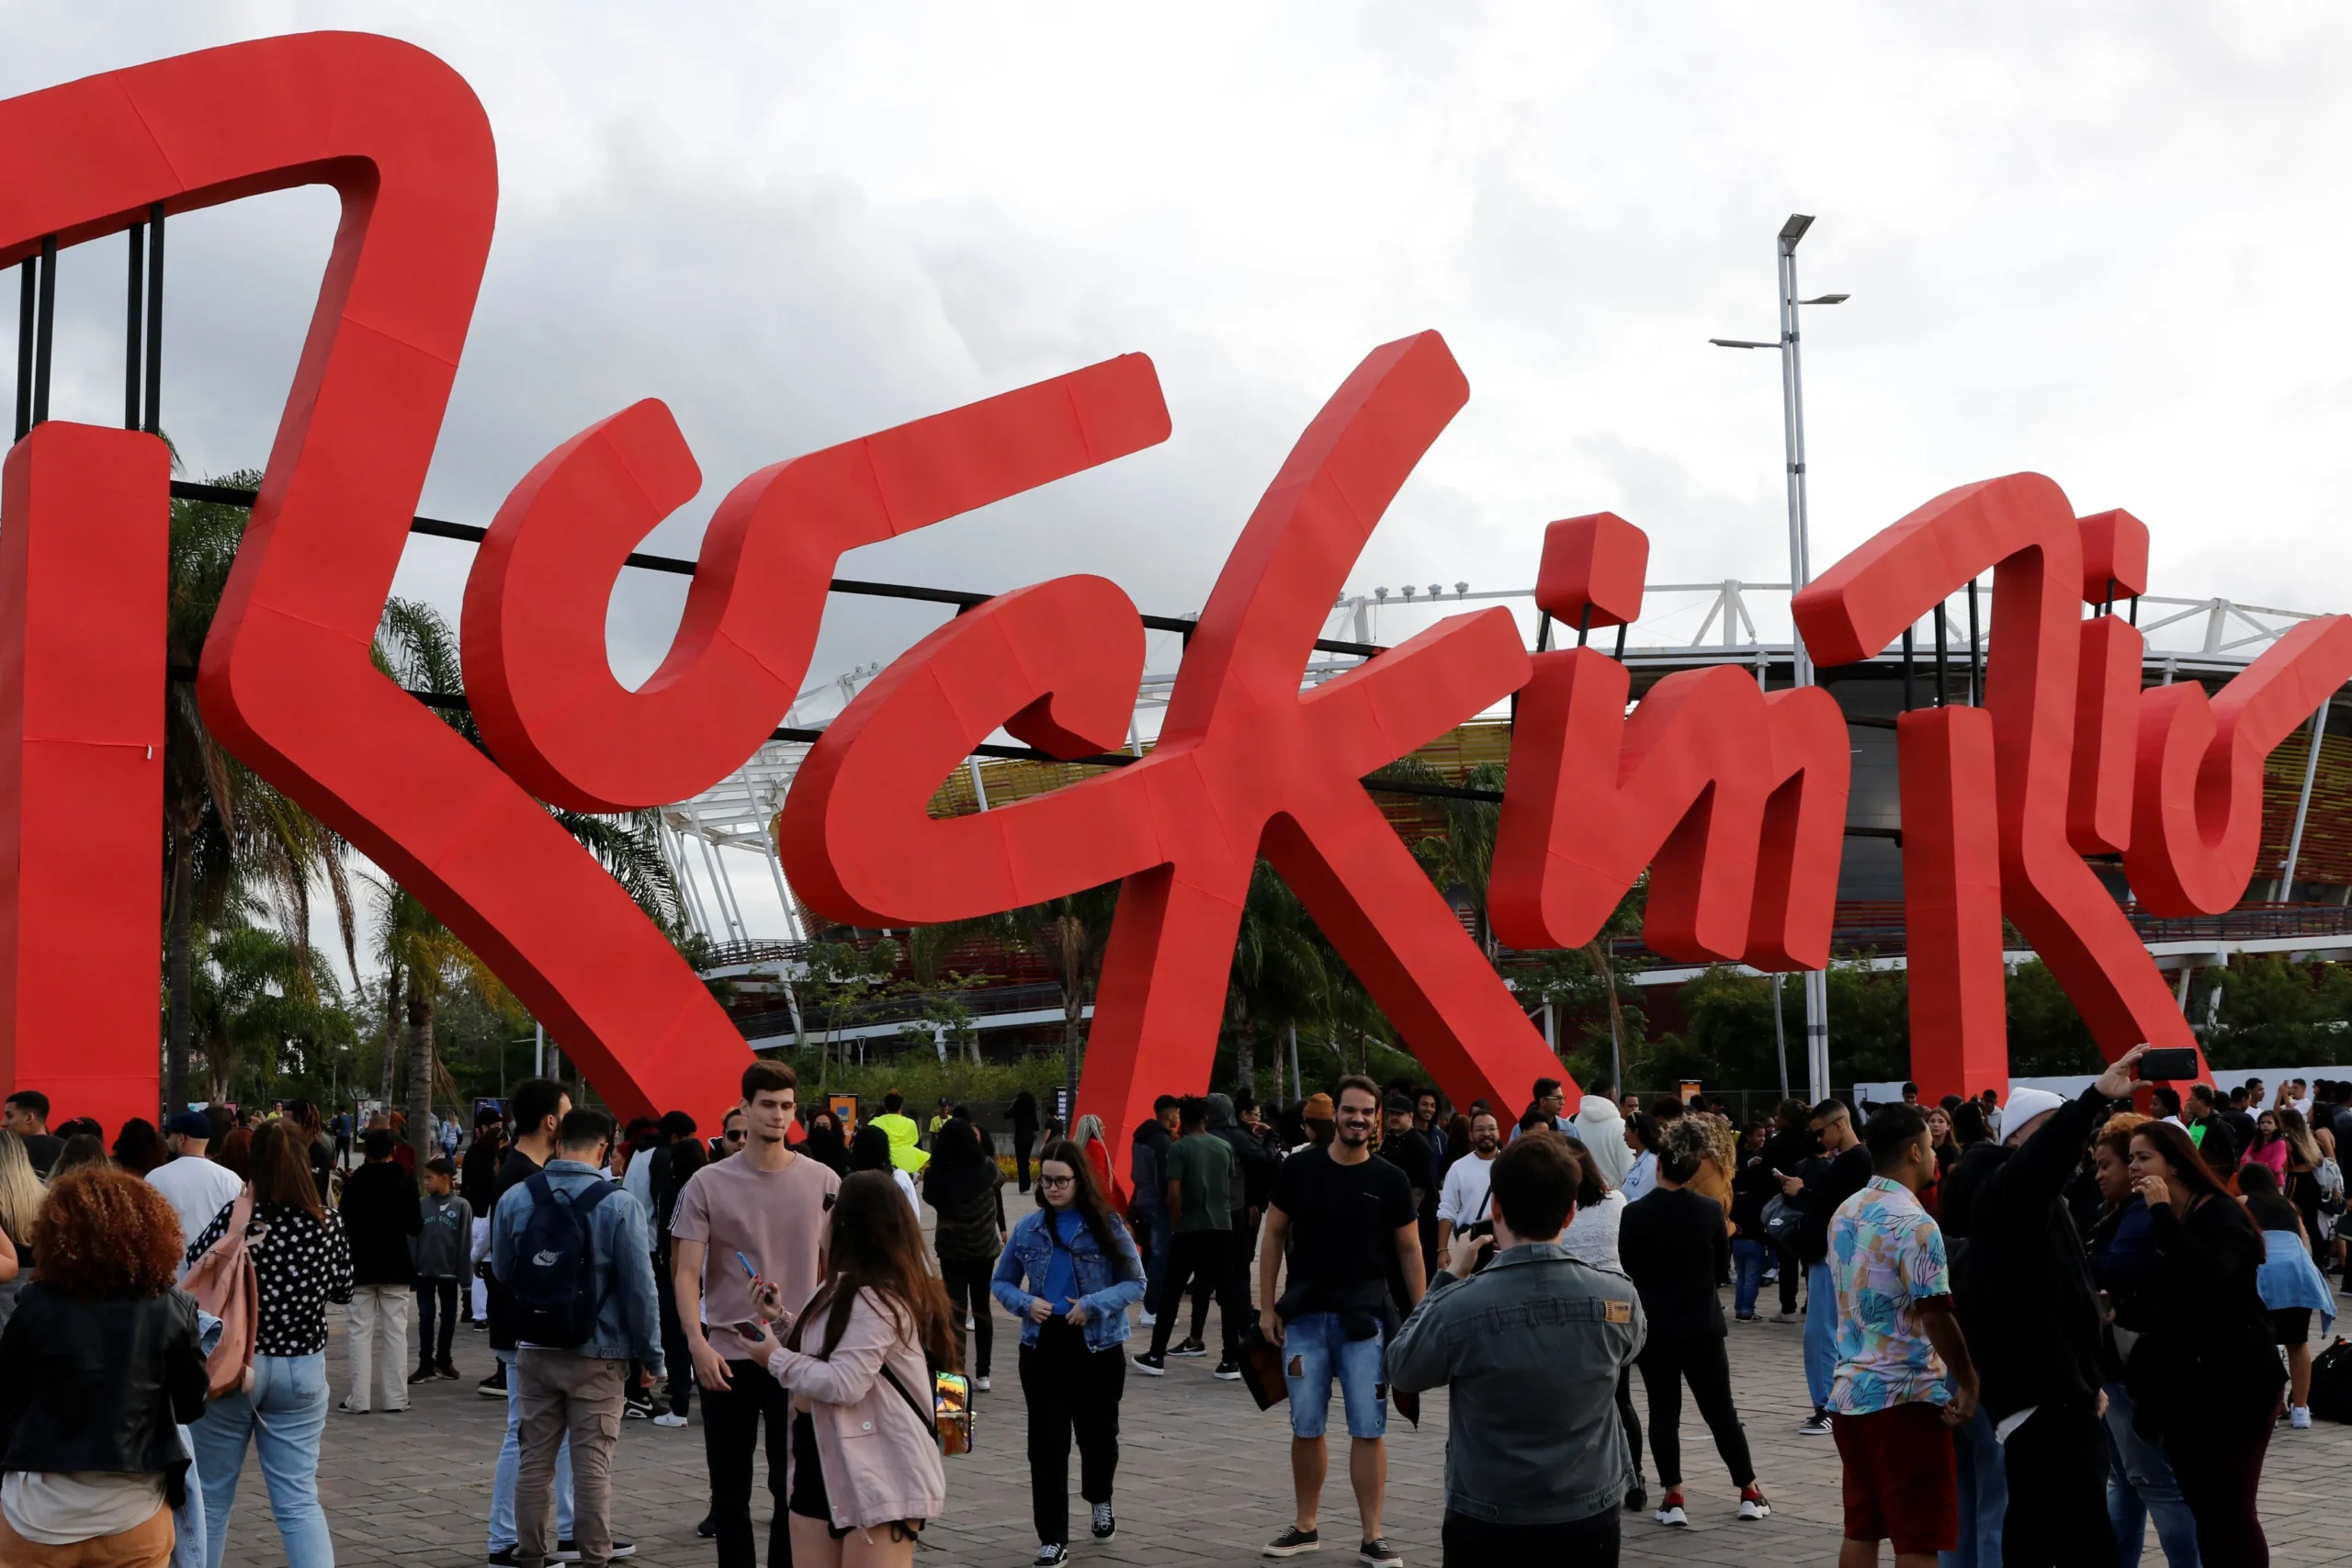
(98,1366)
(301,1262)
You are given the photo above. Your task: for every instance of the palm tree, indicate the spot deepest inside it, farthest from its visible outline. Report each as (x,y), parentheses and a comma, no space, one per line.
(1281,976)
(1459,857)
(416,647)
(226,831)
(255,993)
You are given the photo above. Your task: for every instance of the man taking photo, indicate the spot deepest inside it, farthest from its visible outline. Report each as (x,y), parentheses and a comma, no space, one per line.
(1530,1351)
(1347,1220)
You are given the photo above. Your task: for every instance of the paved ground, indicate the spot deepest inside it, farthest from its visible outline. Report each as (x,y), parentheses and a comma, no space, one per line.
(1204,1480)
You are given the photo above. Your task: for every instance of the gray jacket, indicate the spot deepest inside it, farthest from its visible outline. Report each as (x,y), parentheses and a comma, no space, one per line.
(1533,1344)
(628,1318)
(442,1244)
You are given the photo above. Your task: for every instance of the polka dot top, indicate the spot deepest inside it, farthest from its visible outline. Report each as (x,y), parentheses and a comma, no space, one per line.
(299,1265)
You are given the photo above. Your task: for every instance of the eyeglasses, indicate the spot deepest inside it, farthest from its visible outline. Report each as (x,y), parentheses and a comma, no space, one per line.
(1057,1181)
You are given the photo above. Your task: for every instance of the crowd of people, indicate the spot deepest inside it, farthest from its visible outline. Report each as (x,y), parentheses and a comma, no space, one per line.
(2031,1328)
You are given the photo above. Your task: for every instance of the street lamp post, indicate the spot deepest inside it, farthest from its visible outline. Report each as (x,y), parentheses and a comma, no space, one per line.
(1816,984)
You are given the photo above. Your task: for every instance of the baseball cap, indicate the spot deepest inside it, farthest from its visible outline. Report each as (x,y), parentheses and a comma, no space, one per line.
(189,1124)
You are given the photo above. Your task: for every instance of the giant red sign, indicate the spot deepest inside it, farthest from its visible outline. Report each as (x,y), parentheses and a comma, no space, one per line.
(1734,798)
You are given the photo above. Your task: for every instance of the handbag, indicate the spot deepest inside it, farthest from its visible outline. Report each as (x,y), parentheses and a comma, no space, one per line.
(224,1284)
(1262,1368)
(2330,1177)
(949,1418)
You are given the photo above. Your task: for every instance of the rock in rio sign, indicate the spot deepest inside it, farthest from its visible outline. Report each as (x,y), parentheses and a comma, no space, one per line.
(1733,799)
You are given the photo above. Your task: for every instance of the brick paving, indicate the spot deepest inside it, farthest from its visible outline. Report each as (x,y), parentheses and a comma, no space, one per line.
(1204,1480)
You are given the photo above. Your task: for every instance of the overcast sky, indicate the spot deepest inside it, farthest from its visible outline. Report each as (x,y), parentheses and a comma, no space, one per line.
(2100,242)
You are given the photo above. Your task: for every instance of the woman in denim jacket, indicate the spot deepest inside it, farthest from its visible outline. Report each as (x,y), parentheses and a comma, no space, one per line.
(1068,1273)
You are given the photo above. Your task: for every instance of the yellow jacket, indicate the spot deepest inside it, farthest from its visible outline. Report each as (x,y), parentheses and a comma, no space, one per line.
(904,1154)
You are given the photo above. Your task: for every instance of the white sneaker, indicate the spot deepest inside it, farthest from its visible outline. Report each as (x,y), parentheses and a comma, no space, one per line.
(1672,1514)
(2300,1417)
(1147,1319)
(981,1383)
(669,1418)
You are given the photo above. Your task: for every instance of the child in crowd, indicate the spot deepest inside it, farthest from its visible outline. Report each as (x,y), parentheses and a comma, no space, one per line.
(443,1250)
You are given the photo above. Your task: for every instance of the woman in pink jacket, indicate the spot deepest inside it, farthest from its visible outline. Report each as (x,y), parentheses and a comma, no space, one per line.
(864,1474)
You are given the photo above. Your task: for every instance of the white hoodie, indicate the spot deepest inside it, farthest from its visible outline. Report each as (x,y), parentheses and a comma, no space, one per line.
(1601,1129)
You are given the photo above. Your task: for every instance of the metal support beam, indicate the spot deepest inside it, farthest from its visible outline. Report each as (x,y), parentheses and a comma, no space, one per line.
(44,328)
(135,301)
(2286,885)
(153,412)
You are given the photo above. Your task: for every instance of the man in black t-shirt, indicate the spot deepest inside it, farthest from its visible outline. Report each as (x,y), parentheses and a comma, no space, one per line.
(1408,1148)
(1346,1220)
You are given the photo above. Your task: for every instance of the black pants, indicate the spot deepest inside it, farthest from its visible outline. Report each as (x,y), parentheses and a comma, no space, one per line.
(731,1419)
(1022,1138)
(1203,1260)
(428,1293)
(674,1354)
(1581,1543)
(1069,1389)
(2057,1466)
(1667,1363)
(1241,1263)
(1792,1276)
(2219,1468)
(967,1291)
(1629,1423)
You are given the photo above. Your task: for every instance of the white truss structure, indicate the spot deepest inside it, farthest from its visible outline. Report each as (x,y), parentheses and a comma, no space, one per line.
(1682,624)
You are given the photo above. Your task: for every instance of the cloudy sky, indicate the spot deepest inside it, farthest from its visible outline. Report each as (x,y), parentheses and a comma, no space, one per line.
(2095,242)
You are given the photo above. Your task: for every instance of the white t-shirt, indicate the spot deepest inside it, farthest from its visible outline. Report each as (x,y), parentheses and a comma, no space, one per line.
(1639,1177)
(198,1189)
(1591,1236)
(906,1185)
(1462,1199)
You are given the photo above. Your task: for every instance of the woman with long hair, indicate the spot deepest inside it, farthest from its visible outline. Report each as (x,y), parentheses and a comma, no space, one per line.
(2204,1373)
(100,1364)
(301,1262)
(1068,1273)
(688,1156)
(80,1148)
(2292,1285)
(236,1152)
(20,1200)
(966,1190)
(870,1150)
(825,1143)
(2300,1181)
(1642,1135)
(318,1148)
(2140,1481)
(864,1474)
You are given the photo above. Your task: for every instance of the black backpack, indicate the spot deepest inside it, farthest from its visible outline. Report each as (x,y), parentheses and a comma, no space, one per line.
(2331,1382)
(552,1287)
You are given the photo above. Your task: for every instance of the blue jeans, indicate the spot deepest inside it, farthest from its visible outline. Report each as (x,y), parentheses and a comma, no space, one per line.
(1162,1232)
(1314,1349)
(1746,1273)
(510,1459)
(1983,1482)
(187,1520)
(2140,1483)
(282,1418)
(1820,1333)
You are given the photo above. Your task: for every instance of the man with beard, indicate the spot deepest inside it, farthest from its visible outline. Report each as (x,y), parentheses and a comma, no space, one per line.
(1463,1203)
(1346,1221)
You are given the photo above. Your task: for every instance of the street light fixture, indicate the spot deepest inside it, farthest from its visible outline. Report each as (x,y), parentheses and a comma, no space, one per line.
(1817,991)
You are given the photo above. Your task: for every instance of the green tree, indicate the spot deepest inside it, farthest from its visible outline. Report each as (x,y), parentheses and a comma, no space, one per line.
(2047,1037)
(1281,976)
(258,1004)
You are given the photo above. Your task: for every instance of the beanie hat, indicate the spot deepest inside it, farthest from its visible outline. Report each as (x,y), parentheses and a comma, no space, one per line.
(2024,1105)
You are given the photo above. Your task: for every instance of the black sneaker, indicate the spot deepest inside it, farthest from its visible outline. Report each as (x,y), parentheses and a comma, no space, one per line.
(1106,1524)
(1190,1348)
(1293,1542)
(708,1529)
(503,1558)
(422,1374)
(1227,1371)
(568,1551)
(494,1385)
(444,1370)
(1049,1554)
(1377,1553)
(1816,1424)
(1152,1366)
(635,1410)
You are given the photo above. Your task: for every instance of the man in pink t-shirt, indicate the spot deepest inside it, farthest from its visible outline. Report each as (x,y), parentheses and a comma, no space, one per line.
(758,1218)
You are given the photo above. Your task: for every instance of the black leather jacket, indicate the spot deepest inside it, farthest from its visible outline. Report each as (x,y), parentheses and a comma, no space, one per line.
(99,1385)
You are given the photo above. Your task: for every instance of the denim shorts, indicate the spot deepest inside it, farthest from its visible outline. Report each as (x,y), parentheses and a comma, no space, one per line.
(1314,1350)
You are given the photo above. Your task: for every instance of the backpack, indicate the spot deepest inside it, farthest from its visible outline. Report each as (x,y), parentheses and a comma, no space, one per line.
(1783,1221)
(2330,1178)
(224,1283)
(2331,1382)
(552,1285)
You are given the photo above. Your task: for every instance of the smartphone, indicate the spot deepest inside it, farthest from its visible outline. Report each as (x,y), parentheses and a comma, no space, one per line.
(2168,1063)
(749,1272)
(750,1330)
